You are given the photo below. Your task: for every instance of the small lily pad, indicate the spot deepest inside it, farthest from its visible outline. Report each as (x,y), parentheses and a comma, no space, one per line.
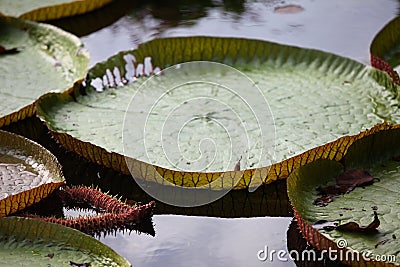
(28,173)
(27,242)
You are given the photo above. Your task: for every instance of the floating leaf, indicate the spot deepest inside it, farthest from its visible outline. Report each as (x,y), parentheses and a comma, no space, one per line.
(386,43)
(36,243)
(320,102)
(385,49)
(48,59)
(40,10)
(28,173)
(353,211)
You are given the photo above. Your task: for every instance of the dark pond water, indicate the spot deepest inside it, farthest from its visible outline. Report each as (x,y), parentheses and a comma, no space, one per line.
(344,27)
(203,241)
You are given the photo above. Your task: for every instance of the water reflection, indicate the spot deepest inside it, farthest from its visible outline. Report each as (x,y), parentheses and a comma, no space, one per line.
(342,27)
(296,242)
(170,13)
(88,23)
(199,241)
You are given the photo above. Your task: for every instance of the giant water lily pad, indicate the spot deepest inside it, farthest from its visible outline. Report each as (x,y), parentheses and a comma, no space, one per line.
(315,98)
(48,9)
(371,236)
(385,49)
(28,173)
(40,58)
(28,242)
(386,43)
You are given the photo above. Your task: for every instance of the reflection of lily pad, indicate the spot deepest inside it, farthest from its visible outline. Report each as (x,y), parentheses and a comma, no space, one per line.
(40,10)
(28,173)
(315,98)
(27,242)
(46,59)
(362,231)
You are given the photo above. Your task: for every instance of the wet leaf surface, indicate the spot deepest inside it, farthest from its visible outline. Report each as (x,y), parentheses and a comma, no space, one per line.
(345,183)
(325,225)
(28,242)
(324,200)
(28,173)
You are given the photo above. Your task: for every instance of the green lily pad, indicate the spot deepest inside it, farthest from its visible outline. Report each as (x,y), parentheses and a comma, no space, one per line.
(385,50)
(386,43)
(315,98)
(42,58)
(28,173)
(378,154)
(28,242)
(48,9)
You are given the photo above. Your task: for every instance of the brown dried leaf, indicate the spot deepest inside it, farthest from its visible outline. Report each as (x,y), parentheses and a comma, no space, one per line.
(50,255)
(335,189)
(345,183)
(355,227)
(5,51)
(356,177)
